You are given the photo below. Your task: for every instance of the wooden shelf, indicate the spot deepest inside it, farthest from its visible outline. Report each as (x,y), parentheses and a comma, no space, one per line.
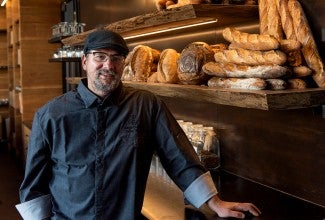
(261,99)
(176,17)
(57,39)
(226,15)
(67,59)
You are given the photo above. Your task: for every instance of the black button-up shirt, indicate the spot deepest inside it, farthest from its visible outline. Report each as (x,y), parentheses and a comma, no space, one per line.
(93,156)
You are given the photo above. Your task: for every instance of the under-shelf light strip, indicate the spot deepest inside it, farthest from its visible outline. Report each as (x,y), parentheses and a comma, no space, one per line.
(3,2)
(171,29)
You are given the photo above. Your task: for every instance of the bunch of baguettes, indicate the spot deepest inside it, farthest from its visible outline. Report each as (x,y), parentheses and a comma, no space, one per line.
(282,56)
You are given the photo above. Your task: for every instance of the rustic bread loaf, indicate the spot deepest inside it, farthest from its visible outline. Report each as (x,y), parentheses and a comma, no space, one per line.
(237,83)
(190,62)
(305,37)
(301,71)
(167,66)
(244,71)
(249,57)
(141,61)
(296,83)
(250,41)
(276,84)
(153,78)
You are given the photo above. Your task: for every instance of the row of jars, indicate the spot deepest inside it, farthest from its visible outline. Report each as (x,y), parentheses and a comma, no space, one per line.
(204,141)
(69,52)
(67,28)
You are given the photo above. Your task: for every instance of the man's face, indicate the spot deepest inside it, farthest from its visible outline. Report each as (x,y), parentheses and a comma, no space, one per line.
(104,68)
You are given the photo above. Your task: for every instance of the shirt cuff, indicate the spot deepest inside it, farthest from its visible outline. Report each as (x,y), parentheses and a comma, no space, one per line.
(38,208)
(200,190)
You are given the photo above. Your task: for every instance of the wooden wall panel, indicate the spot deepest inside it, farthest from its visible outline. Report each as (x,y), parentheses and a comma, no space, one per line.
(32,99)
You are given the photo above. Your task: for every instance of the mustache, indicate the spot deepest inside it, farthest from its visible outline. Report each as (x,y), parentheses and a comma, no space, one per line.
(106,71)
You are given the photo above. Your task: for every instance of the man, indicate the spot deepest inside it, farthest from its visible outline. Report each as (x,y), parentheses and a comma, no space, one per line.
(90,149)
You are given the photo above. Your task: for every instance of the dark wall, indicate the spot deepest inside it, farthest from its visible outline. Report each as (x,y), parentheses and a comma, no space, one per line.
(280,149)
(102,12)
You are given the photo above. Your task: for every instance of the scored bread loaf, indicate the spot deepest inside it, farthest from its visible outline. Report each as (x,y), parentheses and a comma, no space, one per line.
(249,57)
(250,41)
(141,60)
(167,66)
(305,37)
(190,62)
(237,83)
(244,71)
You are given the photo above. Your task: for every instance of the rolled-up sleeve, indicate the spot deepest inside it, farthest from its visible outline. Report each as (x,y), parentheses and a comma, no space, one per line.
(38,208)
(200,190)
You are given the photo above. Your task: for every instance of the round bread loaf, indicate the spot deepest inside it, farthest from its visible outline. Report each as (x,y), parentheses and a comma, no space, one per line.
(167,66)
(190,62)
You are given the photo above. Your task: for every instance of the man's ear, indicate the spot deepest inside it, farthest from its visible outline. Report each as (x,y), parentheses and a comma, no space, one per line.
(83,61)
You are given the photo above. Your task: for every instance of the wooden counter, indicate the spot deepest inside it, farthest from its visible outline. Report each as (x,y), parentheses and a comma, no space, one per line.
(164,200)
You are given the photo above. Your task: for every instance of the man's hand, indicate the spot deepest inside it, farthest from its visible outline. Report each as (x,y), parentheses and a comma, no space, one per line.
(232,209)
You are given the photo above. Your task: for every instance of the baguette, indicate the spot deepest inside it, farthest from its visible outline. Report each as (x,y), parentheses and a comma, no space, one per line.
(237,83)
(289,45)
(262,8)
(301,71)
(250,41)
(305,37)
(252,58)
(244,71)
(286,19)
(294,58)
(295,83)
(270,21)
(276,84)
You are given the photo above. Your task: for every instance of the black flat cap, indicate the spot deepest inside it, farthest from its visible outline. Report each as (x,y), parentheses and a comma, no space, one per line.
(105,39)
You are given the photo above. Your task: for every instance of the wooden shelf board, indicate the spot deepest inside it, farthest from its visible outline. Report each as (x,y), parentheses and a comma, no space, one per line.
(261,99)
(175,17)
(67,59)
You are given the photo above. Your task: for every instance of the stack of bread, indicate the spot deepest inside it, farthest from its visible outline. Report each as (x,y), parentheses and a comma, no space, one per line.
(265,60)
(252,61)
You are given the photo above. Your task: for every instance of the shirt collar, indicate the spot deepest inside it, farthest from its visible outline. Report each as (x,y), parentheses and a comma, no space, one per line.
(90,98)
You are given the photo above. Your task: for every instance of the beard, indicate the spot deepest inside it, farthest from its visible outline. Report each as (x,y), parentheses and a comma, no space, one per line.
(104,87)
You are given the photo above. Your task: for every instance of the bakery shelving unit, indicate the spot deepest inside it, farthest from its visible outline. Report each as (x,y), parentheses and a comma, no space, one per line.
(32,79)
(224,15)
(271,137)
(4,79)
(71,67)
